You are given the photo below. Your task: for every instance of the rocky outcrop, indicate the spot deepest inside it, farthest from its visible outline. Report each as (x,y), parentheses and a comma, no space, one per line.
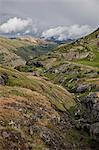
(89,119)
(3,79)
(35,63)
(91,103)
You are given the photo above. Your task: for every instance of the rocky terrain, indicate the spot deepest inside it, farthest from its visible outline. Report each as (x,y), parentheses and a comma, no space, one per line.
(51,102)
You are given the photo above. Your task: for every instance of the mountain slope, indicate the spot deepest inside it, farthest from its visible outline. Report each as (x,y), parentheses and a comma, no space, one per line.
(84,50)
(16,51)
(36,110)
(76,68)
(34,114)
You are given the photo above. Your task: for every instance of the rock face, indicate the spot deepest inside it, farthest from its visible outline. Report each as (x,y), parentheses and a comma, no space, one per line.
(91,103)
(90,117)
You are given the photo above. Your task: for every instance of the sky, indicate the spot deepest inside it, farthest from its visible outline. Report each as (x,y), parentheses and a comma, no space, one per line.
(49,17)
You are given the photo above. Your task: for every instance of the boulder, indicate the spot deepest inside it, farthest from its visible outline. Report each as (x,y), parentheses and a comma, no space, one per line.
(83,88)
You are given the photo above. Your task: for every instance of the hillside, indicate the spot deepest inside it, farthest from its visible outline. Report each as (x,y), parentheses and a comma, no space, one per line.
(36,114)
(78,60)
(16,51)
(76,68)
(50,101)
(84,51)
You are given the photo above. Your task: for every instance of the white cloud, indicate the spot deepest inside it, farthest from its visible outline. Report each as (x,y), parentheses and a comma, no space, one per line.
(19,26)
(15,25)
(67,32)
(26,32)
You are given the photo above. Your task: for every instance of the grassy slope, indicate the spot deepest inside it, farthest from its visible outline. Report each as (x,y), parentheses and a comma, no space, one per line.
(24,97)
(85,44)
(16,52)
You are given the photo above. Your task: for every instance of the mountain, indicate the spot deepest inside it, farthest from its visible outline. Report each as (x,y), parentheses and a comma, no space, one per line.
(50,101)
(58,41)
(15,51)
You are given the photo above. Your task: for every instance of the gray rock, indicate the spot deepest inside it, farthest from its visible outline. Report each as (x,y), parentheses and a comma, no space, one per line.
(5,134)
(91,102)
(81,88)
(94,131)
(3,79)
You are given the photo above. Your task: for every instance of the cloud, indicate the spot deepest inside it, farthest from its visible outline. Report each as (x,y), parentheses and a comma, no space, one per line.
(26,32)
(67,12)
(15,25)
(19,26)
(67,32)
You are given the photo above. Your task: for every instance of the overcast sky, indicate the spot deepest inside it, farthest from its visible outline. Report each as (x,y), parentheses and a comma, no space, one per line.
(52,13)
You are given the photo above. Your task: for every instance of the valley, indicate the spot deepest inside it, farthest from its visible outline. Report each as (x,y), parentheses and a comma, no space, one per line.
(49,94)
